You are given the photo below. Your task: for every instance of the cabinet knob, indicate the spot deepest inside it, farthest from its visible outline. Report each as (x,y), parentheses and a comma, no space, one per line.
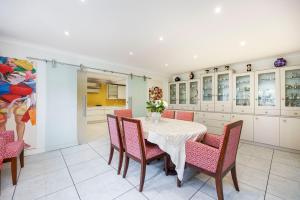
(256,118)
(233,116)
(284,120)
(266,112)
(295,113)
(242,110)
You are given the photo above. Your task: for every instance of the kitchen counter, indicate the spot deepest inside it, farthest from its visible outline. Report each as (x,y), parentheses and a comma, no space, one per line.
(97,114)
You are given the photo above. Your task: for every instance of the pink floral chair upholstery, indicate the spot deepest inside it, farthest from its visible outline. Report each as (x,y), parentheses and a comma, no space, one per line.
(2,151)
(216,155)
(168,114)
(137,149)
(11,150)
(123,113)
(116,141)
(186,116)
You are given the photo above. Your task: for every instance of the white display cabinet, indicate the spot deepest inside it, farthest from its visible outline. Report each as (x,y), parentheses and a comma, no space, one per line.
(290,133)
(207,92)
(247,129)
(193,94)
(266,130)
(243,93)
(223,91)
(290,91)
(267,92)
(173,96)
(182,95)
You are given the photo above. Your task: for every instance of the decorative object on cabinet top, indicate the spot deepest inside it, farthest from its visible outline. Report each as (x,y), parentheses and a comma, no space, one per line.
(227,67)
(191,76)
(280,62)
(177,79)
(207,71)
(249,66)
(215,69)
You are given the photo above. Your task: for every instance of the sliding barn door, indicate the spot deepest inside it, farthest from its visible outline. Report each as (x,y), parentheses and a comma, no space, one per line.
(81,105)
(137,95)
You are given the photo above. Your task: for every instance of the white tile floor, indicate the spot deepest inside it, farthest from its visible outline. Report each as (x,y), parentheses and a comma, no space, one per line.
(81,172)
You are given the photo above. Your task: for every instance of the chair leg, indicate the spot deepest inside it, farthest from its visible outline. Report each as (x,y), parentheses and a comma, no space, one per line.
(178,182)
(126,166)
(142,176)
(22,159)
(14,170)
(120,161)
(234,178)
(111,154)
(219,187)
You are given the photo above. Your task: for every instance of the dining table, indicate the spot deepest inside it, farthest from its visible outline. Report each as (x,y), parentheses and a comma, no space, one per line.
(171,135)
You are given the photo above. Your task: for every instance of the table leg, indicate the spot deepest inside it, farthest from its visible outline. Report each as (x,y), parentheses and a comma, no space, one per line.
(171,167)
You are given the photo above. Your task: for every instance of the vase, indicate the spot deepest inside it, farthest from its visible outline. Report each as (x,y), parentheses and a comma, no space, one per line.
(156,117)
(280,62)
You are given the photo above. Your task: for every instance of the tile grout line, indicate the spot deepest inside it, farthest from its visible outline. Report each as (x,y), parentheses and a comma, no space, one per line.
(269,175)
(17,181)
(70,174)
(200,188)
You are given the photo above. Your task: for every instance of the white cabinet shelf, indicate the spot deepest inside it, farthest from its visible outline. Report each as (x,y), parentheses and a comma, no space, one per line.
(266,130)
(223,91)
(116,91)
(207,92)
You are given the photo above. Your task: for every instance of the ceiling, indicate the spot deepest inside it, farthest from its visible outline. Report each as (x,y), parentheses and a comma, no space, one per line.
(195,34)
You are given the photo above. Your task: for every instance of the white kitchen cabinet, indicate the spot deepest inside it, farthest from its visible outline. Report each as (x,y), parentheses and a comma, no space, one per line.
(193,94)
(112,91)
(243,93)
(121,92)
(182,95)
(266,130)
(290,91)
(173,95)
(267,92)
(247,129)
(213,121)
(290,132)
(223,91)
(207,92)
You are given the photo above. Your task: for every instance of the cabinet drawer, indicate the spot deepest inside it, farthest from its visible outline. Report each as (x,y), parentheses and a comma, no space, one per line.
(267,112)
(207,107)
(214,116)
(290,133)
(223,108)
(241,110)
(290,113)
(213,123)
(95,112)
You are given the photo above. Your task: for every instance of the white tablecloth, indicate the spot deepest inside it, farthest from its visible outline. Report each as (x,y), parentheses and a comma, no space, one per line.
(170,135)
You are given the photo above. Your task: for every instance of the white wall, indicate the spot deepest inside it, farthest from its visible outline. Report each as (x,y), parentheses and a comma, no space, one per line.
(56,91)
(259,64)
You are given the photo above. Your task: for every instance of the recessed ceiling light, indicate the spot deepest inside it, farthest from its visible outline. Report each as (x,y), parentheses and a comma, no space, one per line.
(130,53)
(218,9)
(243,43)
(67,33)
(166,65)
(161,38)
(82,0)
(195,56)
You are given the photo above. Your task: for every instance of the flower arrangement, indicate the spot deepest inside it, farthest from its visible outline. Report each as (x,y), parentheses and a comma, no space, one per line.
(157,106)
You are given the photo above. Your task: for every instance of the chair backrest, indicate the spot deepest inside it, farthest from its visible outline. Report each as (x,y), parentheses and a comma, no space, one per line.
(134,141)
(114,131)
(229,144)
(168,114)
(186,116)
(2,146)
(123,113)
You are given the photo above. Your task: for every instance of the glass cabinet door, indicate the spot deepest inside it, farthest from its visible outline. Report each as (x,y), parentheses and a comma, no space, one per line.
(207,87)
(182,93)
(173,93)
(243,95)
(292,88)
(223,87)
(266,89)
(193,92)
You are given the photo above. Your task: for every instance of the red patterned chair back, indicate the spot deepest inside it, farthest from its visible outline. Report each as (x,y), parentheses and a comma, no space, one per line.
(134,141)
(229,144)
(123,113)
(114,131)
(2,146)
(168,114)
(186,116)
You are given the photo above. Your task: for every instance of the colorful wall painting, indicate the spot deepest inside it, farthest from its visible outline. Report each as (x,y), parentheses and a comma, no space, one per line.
(155,93)
(17,95)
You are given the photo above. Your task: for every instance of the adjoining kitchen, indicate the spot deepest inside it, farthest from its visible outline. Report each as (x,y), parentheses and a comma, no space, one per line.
(105,93)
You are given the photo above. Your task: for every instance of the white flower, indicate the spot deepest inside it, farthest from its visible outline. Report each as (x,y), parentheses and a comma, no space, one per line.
(165,104)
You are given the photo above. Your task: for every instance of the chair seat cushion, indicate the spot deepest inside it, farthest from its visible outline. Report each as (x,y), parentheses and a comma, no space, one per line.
(13,149)
(152,150)
(1,162)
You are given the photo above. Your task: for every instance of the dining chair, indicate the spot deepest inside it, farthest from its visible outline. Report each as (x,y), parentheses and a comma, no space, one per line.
(216,155)
(115,139)
(186,116)
(168,114)
(2,151)
(137,149)
(12,150)
(123,113)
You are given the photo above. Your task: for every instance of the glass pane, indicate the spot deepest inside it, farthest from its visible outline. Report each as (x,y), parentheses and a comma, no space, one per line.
(223,87)
(173,94)
(193,92)
(182,93)
(243,90)
(292,88)
(207,88)
(266,89)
